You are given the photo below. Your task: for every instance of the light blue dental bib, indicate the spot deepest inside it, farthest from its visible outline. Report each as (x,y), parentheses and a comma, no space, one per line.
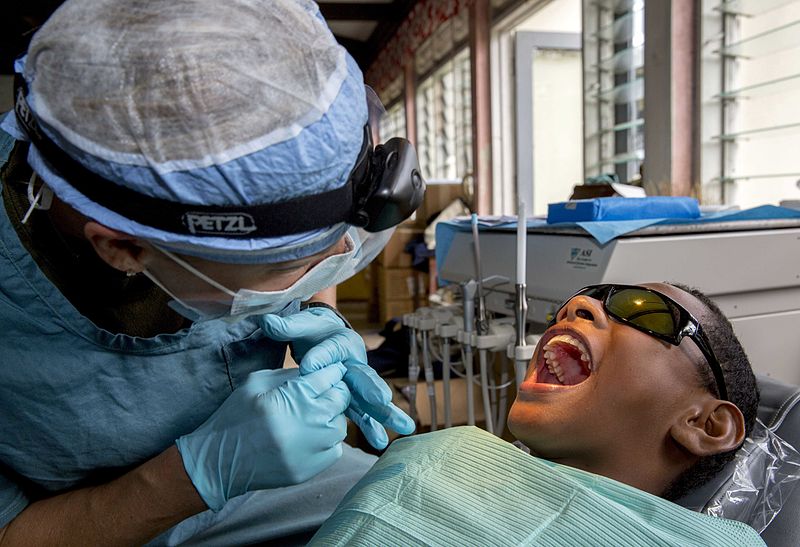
(464,486)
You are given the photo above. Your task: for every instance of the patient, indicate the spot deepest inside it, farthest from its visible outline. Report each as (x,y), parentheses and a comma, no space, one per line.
(604,396)
(646,385)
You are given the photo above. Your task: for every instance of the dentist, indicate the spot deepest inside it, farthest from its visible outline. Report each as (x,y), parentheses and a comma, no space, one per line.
(177,177)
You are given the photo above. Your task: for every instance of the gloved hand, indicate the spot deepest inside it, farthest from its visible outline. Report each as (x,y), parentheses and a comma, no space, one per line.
(270,432)
(319,337)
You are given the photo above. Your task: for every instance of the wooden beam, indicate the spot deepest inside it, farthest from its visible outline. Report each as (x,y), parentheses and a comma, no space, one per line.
(670,82)
(410,99)
(479,37)
(685,82)
(341,11)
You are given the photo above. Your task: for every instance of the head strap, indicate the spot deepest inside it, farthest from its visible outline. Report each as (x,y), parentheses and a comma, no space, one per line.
(292,216)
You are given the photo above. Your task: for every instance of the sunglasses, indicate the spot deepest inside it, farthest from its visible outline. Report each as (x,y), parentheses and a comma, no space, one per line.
(653,313)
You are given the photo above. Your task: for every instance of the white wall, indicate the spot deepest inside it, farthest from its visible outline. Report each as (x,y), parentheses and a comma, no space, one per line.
(556,16)
(557,108)
(557,139)
(557,127)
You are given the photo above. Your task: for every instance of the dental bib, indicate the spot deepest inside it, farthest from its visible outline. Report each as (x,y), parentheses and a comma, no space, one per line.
(464,486)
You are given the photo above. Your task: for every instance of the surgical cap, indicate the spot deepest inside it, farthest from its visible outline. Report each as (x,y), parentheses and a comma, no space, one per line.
(241,102)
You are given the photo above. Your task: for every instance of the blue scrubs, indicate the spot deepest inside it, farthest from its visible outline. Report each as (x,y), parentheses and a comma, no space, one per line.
(80,405)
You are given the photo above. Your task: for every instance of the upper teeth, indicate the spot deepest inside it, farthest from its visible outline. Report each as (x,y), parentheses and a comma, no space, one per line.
(550,356)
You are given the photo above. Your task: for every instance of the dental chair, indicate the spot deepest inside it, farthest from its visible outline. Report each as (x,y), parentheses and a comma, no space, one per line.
(779,410)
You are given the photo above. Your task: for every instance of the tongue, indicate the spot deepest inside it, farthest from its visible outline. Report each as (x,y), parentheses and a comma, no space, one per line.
(569,357)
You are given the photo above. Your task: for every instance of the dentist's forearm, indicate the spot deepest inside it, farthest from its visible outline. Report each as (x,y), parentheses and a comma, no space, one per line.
(129,510)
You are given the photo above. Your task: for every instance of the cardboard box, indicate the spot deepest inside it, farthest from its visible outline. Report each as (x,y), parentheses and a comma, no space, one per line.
(389,309)
(458,401)
(437,197)
(401,284)
(400,291)
(394,255)
(358,287)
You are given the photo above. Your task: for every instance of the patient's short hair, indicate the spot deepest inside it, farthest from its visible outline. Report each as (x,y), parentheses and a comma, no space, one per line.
(742,391)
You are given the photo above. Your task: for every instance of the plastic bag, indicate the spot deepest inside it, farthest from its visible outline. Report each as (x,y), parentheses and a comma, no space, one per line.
(767,470)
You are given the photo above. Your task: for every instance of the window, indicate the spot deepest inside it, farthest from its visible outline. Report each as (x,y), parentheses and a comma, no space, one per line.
(613,59)
(751,116)
(394,122)
(444,120)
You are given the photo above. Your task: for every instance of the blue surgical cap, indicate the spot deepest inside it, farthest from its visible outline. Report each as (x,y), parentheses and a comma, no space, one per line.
(241,102)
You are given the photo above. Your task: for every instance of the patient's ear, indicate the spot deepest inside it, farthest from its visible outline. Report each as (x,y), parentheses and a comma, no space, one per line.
(119,250)
(710,427)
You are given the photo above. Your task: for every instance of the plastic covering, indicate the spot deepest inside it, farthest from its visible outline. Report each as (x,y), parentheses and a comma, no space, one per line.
(187,81)
(204,102)
(766,472)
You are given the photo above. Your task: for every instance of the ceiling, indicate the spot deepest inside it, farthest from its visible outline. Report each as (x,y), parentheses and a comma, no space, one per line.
(363,28)
(17,24)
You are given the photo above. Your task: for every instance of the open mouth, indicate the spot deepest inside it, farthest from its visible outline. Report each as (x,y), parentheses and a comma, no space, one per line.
(563,360)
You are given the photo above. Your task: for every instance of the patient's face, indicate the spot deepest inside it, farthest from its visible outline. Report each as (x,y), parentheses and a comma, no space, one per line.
(616,393)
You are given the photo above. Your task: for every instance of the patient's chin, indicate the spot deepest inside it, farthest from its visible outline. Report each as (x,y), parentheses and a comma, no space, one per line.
(536,428)
(520,422)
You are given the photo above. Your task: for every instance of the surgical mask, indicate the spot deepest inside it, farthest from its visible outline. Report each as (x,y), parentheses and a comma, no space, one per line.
(362,247)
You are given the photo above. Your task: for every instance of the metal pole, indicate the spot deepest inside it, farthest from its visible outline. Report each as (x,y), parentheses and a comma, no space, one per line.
(487,406)
(413,374)
(426,362)
(446,381)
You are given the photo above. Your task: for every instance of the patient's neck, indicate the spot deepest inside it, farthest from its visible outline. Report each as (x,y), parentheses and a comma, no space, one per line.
(653,473)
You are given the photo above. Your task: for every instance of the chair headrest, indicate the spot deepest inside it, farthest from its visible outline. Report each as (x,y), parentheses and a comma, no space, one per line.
(779,412)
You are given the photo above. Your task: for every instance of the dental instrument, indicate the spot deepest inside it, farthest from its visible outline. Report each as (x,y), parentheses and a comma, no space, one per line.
(413,365)
(502,403)
(446,329)
(482,327)
(487,404)
(521,353)
(468,291)
(424,323)
(499,336)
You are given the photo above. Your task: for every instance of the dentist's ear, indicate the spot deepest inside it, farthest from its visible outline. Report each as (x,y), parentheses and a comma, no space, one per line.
(119,250)
(709,427)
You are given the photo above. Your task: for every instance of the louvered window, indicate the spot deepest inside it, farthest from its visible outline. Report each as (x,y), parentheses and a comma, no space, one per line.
(613,59)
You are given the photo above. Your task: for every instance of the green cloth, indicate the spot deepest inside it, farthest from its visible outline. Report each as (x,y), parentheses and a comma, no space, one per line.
(463,486)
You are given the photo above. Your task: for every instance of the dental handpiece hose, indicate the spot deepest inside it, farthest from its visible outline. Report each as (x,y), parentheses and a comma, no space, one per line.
(502,404)
(413,373)
(482,327)
(429,381)
(487,405)
(520,293)
(448,422)
(521,316)
(482,322)
(468,290)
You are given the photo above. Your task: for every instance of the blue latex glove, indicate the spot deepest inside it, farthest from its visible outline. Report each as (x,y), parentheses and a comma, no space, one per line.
(319,337)
(279,428)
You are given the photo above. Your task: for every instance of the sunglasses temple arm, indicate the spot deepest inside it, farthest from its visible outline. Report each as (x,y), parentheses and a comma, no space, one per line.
(713,363)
